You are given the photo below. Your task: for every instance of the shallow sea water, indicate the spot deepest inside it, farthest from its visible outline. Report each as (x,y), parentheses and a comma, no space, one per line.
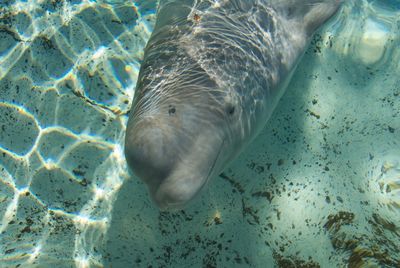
(320,187)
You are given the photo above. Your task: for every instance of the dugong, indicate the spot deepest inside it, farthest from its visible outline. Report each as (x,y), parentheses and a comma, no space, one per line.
(212,74)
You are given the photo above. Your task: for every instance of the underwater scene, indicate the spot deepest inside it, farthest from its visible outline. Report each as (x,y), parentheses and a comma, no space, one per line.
(318,187)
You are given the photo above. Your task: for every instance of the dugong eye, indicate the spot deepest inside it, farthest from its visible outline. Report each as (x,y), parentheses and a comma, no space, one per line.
(171,110)
(230,109)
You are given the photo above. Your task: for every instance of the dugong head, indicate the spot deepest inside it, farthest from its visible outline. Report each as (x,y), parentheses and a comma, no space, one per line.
(177,135)
(179,132)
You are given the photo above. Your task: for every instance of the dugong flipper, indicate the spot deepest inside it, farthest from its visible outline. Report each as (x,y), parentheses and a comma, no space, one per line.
(212,74)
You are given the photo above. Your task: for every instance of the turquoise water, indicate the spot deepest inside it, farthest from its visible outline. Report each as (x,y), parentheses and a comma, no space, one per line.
(320,187)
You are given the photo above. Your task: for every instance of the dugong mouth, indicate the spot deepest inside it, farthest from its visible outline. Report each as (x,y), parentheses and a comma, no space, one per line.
(184,184)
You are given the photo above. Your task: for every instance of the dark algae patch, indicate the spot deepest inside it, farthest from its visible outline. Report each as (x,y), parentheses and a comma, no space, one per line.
(361,249)
(236,185)
(335,221)
(293,262)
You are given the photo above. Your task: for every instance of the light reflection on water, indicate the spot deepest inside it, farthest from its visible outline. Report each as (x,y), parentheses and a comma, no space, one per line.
(67,73)
(322,181)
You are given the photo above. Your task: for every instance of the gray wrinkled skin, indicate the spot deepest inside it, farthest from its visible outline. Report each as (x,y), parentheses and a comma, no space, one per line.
(212,73)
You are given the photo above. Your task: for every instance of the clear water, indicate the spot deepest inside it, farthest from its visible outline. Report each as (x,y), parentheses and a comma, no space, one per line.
(320,187)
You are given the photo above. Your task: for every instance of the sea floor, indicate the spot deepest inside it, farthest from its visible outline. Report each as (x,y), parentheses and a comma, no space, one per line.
(320,187)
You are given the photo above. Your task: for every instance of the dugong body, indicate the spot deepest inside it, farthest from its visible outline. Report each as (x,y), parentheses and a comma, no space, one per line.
(212,74)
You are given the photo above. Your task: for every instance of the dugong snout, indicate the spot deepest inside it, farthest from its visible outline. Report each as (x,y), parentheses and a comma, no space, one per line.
(174,162)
